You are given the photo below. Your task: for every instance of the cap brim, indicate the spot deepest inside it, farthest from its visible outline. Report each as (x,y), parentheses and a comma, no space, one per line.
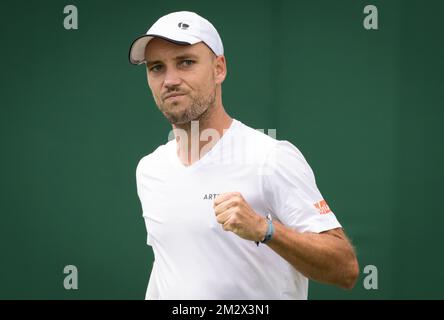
(137,49)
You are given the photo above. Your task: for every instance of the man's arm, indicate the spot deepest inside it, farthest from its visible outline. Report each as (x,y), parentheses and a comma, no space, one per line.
(326,257)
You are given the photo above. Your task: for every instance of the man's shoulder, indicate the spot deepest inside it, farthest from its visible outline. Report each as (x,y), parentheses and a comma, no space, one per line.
(159,156)
(271,151)
(261,140)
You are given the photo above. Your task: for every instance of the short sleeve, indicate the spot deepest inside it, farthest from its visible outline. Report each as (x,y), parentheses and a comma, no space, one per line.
(290,191)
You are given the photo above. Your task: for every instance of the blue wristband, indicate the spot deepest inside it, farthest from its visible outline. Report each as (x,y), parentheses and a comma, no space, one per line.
(270,230)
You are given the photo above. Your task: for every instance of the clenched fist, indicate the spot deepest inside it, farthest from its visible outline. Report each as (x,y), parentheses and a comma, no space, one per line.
(236,215)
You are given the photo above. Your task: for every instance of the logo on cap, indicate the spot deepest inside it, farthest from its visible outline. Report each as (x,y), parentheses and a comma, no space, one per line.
(183,25)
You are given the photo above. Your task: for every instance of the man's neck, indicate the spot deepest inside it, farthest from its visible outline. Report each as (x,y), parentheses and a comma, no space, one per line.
(195,139)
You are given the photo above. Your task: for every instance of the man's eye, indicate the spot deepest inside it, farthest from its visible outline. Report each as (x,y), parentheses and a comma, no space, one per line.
(156,68)
(187,63)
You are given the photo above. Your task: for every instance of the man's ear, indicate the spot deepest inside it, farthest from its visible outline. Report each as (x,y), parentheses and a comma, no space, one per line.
(220,69)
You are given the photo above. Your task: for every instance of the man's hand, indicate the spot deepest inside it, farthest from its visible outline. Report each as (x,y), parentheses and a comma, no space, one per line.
(236,215)
(327,257)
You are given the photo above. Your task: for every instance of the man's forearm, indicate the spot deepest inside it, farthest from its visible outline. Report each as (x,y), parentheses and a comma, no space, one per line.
(326,257)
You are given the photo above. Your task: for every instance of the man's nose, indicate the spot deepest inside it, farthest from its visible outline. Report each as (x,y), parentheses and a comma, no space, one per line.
(172,78)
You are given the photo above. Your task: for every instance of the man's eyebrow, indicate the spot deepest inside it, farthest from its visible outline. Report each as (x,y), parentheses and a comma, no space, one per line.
(186,56)
(181,57)
(150,63)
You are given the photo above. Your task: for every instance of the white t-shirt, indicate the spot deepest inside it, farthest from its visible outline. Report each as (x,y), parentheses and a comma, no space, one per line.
(194,258)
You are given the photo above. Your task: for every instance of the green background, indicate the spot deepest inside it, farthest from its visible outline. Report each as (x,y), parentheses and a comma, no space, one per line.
(365,108)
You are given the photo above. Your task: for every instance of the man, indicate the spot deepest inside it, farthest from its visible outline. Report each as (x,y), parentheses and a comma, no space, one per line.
(230,212)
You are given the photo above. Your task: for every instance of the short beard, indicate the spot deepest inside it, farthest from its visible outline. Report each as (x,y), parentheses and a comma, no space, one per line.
(199,109)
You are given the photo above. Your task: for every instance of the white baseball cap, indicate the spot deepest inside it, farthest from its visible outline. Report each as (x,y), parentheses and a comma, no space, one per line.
(183,27)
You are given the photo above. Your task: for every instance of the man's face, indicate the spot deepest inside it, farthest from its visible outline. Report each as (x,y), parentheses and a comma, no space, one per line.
(182,79)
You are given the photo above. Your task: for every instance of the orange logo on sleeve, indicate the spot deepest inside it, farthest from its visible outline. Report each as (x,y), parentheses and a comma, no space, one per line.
(322,206)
